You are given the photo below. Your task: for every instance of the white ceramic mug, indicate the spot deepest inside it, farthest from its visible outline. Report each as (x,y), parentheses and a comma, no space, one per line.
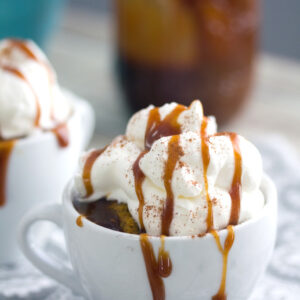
(38,171)
(109,265)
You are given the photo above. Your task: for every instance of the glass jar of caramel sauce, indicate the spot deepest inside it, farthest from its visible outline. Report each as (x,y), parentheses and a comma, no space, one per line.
(180,50)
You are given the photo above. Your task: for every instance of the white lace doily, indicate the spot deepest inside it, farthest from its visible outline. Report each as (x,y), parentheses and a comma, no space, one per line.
(280,282)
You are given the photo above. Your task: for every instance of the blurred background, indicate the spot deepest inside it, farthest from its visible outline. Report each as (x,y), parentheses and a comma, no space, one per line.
(242,60)
(240,57)
(279,33)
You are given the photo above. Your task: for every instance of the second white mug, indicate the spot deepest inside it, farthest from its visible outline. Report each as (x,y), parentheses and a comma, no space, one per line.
(38,171)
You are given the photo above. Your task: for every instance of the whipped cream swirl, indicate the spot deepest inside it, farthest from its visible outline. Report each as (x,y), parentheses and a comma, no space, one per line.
(177,175)
(30,96)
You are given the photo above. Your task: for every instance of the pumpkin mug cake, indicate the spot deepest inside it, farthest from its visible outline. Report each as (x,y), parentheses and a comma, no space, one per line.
(174,209)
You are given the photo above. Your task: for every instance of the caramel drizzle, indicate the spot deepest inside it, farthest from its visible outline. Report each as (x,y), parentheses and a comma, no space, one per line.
(139,178)
(174,153)
(79,222)
(164,261)
(200,235)
(62,134)
(235,190)
(205,161)
(22,46)
(221,295)
(87,169)
(20,75)
(157,128)
(6,148)
(156,268)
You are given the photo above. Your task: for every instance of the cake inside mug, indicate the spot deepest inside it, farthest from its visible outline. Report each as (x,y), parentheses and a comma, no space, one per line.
(31,100)
(171,174)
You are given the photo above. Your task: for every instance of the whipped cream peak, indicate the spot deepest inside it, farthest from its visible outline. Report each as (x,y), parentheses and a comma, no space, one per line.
(177,175)
(180,118)
(30,96)
(14,52)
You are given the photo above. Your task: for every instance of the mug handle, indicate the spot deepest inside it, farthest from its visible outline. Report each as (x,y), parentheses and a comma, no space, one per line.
(51,267)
